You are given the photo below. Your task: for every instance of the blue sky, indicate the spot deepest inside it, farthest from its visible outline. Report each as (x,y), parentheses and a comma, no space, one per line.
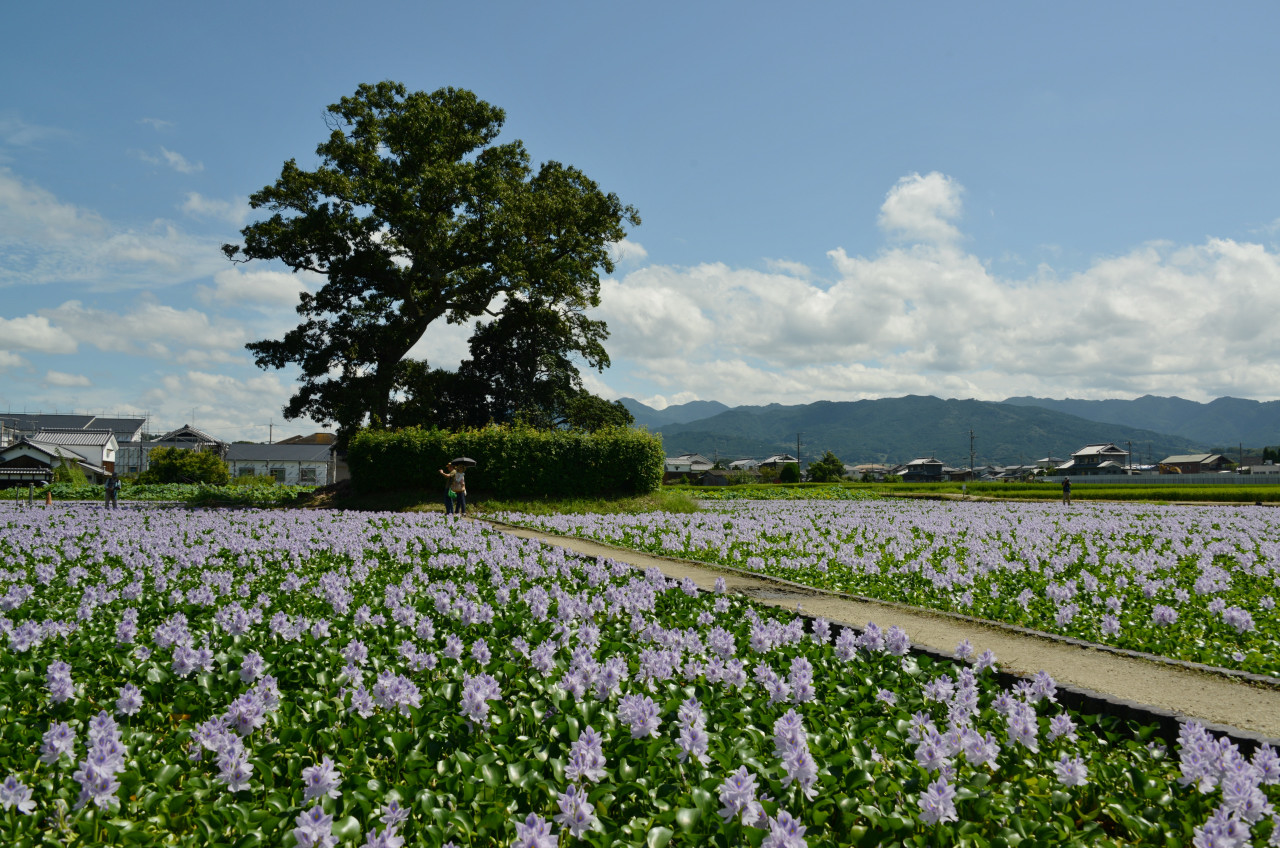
(839,200)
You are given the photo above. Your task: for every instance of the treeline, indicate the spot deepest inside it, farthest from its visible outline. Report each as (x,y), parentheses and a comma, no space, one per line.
(511,462)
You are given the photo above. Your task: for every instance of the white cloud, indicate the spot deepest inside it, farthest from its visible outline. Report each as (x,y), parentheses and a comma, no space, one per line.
(233,212)
(156,123)
(35,332)
(11,360)
(64,380)
(922,208)
(150,329)
(627,251)
(15,132)
(224,405)
(172,159)
(930,318)
(259,287)
(45,240)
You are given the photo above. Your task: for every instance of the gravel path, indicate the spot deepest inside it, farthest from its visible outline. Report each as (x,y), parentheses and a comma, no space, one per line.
(1161,687)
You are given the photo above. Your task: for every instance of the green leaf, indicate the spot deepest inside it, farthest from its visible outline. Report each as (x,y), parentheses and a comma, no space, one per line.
(658,837)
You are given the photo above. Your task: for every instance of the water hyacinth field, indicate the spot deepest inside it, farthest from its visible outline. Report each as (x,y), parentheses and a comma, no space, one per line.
(1196,583)
(243,677)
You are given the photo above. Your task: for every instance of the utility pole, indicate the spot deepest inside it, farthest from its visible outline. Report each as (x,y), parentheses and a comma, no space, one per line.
(798,435)
(971,471)
(1129,445)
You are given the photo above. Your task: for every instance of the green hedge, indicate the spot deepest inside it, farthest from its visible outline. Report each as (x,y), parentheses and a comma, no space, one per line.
(511,462)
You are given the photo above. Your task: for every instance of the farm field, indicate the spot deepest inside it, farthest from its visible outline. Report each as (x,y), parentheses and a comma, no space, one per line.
(242,677)
(1196,583)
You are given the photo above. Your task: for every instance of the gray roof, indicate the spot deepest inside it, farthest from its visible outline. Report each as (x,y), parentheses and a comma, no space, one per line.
(74,437)
(187,433)
(124,428)
(1191,457)
(277,453)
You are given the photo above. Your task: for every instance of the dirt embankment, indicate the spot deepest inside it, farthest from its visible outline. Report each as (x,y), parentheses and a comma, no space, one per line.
(1162,688)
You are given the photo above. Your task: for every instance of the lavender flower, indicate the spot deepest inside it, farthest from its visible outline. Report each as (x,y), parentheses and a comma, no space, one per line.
(534,833)
(576,812)
(896,641)
(477,692)
(15,793)
(251,666)
(320,780)
(1163,615)
(937,803)
(58,679)
(130,700)
(640,713)
(59,741)
(315,829)
(1071,771)
(785,832)
(586,757)
(693,740)
(394,815)
(738,797)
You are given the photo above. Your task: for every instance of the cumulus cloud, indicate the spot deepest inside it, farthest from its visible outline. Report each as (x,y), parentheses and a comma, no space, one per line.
(149,329)
(36,333)
(45,240)
(258,287)
(627,251)
(233,212)
(9,360)
(931,318)
(64,380)
(228,406)
(922,208)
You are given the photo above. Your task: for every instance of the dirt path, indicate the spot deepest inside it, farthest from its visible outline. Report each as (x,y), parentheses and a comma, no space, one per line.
(1127,680)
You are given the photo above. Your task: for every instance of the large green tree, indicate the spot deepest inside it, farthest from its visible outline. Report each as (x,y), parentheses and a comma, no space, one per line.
(414,214)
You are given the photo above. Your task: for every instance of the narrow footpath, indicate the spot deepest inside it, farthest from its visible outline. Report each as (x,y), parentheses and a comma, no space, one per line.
(1172,689)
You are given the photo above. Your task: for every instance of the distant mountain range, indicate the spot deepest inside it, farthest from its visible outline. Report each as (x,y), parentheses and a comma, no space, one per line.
(1225,422)
(1016,431)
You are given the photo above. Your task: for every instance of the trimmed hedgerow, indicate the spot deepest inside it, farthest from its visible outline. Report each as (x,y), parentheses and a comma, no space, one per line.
(513,462)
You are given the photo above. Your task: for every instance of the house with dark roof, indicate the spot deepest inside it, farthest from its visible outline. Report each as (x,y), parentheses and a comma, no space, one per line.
(922,470)
(30,461)
(15,425)
(1099,458)
(1196,463)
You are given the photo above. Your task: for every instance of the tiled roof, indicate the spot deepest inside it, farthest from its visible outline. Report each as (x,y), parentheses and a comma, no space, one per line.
(75,437)
(277,453)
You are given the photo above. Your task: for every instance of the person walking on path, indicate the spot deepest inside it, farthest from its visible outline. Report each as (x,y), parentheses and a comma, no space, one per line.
(456,494)
(1066,490)
(113,492)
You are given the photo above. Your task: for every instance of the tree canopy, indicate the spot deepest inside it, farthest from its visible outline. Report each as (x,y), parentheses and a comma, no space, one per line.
(183,465)
(415,214)
(826,470)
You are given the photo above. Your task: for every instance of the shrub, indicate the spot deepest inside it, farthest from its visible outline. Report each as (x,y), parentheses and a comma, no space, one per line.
(183,465)
(790,473)
(512,462)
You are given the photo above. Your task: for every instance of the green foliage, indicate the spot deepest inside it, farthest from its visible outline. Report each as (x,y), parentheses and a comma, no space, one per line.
(513,462)
(183,465)
(826,470)
(415,214)
(191,494)
(69,472)
(262,480)
(790,473)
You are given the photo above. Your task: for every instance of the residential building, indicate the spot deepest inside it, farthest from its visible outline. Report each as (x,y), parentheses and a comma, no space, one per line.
(922,470)
(291,464)
(15,425)
(687,463)
(133,456)
(1196,463)
(1099,458)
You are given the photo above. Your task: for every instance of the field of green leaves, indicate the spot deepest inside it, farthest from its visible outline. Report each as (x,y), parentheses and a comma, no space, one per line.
(245,677)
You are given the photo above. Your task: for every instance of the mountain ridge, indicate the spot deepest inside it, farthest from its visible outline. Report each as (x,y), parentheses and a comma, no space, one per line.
(892,430)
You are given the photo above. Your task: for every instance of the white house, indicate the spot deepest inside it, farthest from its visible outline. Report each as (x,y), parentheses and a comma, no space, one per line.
(687,463)
(134,454)
(292,464)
